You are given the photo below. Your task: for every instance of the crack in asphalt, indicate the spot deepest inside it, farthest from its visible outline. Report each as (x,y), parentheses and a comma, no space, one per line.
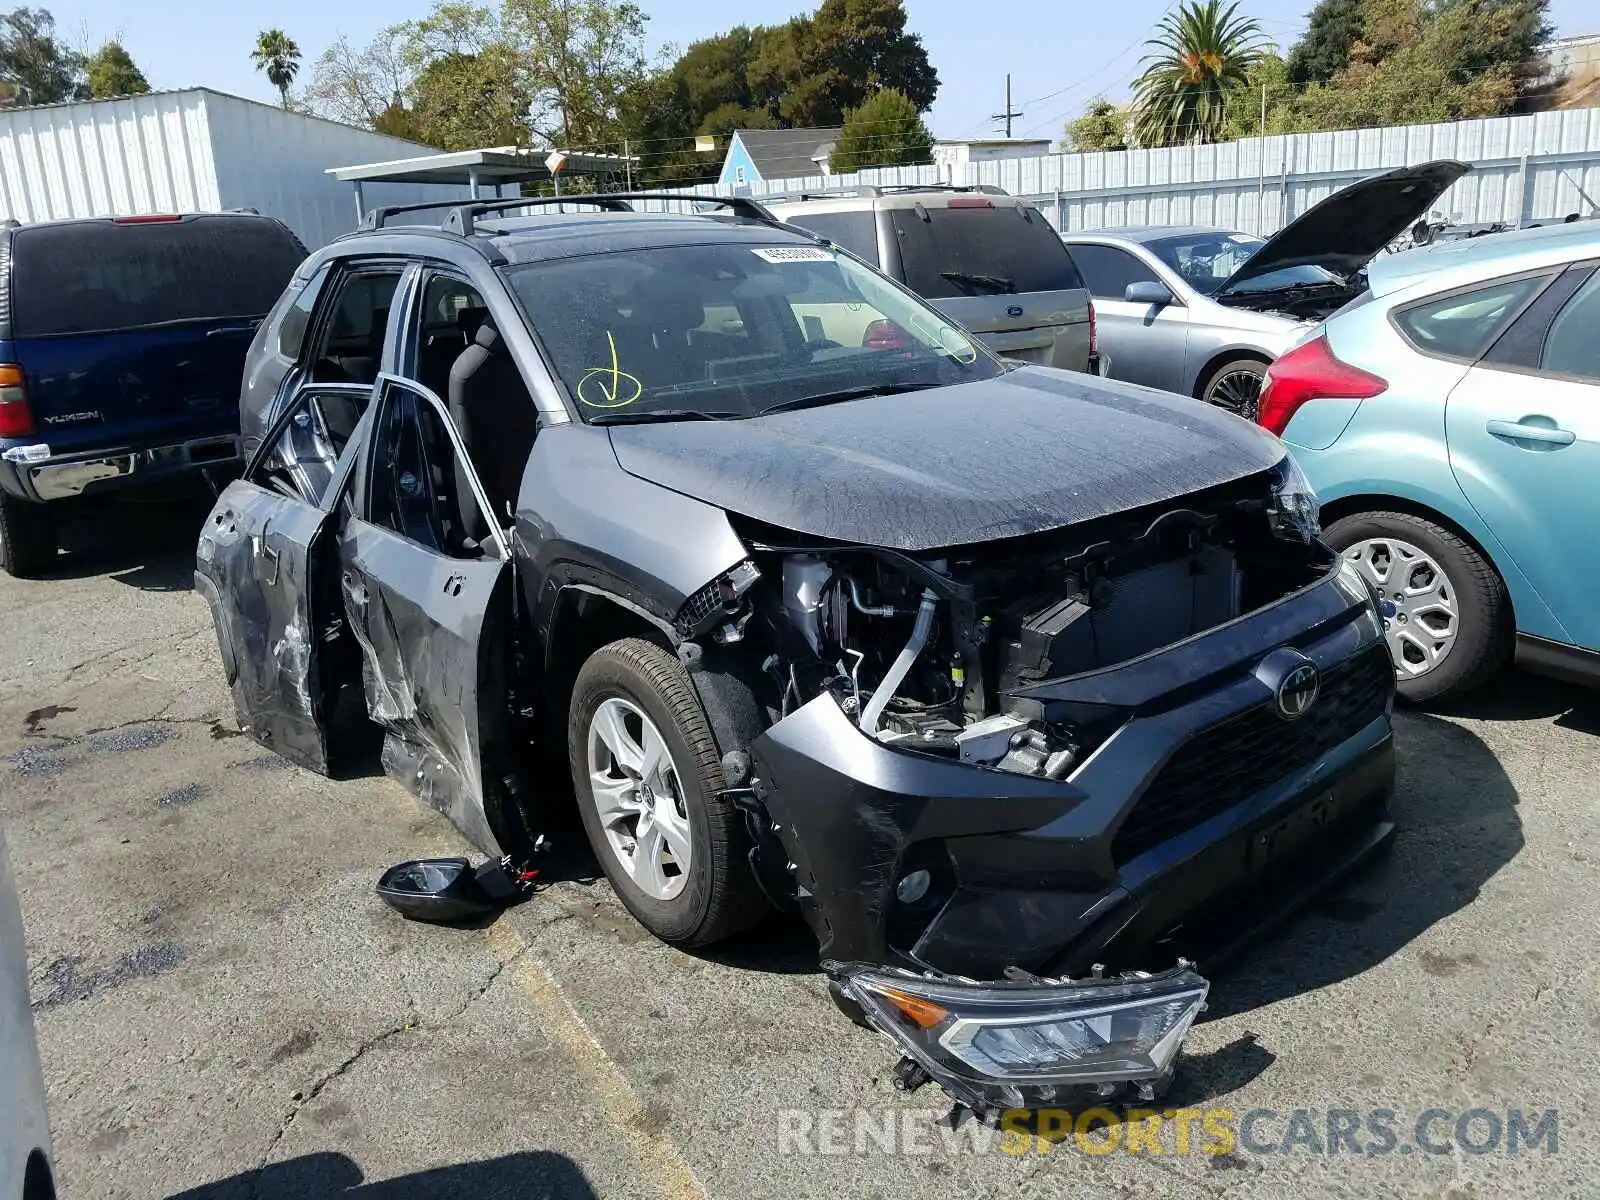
(302,1099)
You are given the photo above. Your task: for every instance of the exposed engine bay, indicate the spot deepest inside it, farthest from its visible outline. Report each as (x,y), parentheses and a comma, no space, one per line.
(937,654)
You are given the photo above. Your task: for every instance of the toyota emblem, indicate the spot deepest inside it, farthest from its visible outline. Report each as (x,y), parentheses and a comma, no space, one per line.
(1297,691)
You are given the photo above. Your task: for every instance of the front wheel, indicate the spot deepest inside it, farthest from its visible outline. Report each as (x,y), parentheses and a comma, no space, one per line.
(649,785)
(1236,386)
(1446,614)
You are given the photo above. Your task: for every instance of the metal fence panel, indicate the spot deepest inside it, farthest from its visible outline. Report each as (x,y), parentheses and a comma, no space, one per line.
(1524,168)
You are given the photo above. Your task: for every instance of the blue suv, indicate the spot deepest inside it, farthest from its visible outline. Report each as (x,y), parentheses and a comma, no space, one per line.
(122,347)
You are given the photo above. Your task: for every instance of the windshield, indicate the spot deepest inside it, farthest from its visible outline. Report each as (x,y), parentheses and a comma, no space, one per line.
(1206,260)
(733,330)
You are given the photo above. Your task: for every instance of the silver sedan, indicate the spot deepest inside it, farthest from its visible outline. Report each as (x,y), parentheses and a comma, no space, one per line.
(1160,328)
(1203,311)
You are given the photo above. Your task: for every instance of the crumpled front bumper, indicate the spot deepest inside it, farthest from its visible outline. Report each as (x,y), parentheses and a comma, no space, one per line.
(1161,842)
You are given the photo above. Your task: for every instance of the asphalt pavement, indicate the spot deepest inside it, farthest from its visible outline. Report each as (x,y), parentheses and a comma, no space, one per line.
(226,1010)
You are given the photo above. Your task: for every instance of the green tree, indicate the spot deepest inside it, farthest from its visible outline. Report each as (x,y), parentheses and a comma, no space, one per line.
(111,72)
(1270,75)
(1103,126)
(1324,49)
(363,87)
(35,68)
(886,131)
(465,101)
(1202,55)
(277,56)
(1418,62)
(581,58)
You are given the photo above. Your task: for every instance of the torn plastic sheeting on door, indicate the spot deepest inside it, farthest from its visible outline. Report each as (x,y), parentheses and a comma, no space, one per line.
(432,780)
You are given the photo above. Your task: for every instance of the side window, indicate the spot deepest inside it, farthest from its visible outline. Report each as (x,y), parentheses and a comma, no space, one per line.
(417,486)
(296,320)
(351,341)
(444,326)
(1108,271)
(857,232)
(1572,347)
(1463,324)
(304,458)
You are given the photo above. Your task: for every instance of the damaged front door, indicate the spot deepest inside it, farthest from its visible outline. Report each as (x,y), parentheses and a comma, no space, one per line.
(424,576)
(262,566)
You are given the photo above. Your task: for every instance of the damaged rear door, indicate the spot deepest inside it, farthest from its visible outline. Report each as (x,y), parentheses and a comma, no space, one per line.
(263,566)
(426,586)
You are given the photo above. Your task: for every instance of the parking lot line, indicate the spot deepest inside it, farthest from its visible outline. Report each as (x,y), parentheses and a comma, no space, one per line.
(659,1157)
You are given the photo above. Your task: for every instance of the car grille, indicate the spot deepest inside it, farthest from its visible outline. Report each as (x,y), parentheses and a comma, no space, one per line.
(1234,759)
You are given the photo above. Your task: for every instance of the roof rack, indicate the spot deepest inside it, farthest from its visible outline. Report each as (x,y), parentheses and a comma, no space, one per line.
(884,189)
(461,219)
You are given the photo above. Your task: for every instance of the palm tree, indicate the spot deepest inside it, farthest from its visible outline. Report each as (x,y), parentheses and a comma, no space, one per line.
(1203,53)
(278,56)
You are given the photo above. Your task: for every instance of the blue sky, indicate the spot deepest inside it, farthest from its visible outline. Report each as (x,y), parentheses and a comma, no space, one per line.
(1060,55)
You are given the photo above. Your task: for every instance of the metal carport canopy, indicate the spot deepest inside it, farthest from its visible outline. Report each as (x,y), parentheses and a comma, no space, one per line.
(477,169)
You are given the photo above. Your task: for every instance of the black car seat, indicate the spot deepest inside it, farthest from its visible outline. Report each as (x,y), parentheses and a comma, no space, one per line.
(655,338)
(496,418)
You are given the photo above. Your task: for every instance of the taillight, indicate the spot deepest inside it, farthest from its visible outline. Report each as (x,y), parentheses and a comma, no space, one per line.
(969,202)
(146,219)
(15,418)
(885,335)
(1310,372)
(1094,334)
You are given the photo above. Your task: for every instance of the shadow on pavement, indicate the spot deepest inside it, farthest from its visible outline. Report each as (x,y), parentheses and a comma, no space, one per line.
(1457,825)
(1518,696)
(327,1175)
(146,544)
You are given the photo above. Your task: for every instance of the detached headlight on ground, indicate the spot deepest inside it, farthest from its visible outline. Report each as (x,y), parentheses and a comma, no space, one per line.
(1027,1044)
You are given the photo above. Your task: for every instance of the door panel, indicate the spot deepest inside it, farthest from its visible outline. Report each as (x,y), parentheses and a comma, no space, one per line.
(256,566)
(421,616)
(1146,343)
(425,601)
(1526,451)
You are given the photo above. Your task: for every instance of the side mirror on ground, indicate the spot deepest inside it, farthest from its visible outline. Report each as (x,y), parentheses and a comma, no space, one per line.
(441,891)
(1147,291)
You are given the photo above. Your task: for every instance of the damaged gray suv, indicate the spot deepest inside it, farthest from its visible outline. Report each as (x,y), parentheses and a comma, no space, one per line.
(1011,680)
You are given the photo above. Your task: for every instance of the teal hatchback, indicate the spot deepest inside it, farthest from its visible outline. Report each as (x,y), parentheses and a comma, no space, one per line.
(1449,421)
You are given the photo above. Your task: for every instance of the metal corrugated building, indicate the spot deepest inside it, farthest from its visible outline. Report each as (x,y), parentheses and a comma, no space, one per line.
(194,150)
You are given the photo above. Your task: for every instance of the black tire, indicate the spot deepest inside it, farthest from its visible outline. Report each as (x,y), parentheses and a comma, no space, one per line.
(27,537)
(1486,633)
(720,896)
(1228,375)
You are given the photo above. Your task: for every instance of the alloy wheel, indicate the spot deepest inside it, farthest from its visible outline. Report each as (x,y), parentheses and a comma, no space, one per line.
(1237,391)
(638,795)
(1417,601)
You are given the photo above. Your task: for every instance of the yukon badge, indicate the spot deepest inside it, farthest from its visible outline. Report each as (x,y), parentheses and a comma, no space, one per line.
(1293,679)
(88,414)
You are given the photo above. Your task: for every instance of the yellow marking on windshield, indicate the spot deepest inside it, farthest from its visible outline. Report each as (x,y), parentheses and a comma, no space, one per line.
(612,383)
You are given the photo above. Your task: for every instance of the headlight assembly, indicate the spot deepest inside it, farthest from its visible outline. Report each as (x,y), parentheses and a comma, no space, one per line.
(1296,508)
(1027,1044)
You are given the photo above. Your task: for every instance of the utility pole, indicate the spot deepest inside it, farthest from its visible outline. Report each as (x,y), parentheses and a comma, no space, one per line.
(1261,179)
(1008,116)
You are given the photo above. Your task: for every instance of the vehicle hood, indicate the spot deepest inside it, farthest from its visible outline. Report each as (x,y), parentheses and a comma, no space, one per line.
(1030,450)
(1344,232)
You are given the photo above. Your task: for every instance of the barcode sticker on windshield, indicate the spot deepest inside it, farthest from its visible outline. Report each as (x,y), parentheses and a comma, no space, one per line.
(789,254)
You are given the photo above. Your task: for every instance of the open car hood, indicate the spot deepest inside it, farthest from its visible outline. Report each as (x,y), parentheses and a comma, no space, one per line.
(1027,451)
(1346,230)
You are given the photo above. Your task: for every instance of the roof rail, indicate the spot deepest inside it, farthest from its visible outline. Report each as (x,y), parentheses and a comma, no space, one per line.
(739,206)
(461,217)
(883,189)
